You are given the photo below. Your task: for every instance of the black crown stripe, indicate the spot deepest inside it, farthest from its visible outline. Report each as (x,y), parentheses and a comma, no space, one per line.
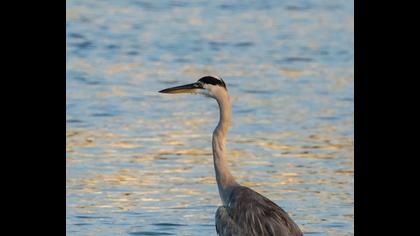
(213,81)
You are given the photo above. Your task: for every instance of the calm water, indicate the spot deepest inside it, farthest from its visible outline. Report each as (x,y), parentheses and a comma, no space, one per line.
(139,162)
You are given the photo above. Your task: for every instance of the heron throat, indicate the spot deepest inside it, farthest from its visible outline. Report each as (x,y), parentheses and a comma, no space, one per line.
(225,180)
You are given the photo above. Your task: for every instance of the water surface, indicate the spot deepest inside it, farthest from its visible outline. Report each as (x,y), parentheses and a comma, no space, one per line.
(139,162)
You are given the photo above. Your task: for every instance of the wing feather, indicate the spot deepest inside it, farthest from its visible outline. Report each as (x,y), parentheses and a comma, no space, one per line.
(250,213)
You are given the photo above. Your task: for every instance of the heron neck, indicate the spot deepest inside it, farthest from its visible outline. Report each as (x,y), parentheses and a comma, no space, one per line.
(224,178)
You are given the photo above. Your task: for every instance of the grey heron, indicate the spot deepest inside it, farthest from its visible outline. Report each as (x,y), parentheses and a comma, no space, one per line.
(244,211)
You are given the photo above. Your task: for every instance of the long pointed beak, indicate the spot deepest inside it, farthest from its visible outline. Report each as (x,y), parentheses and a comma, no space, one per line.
(188,88)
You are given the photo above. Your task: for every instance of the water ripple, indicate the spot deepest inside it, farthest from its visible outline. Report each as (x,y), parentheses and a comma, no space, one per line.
(140,163)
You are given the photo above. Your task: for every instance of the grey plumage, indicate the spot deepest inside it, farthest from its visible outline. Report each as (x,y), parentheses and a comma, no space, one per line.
(244,211)
(249,213)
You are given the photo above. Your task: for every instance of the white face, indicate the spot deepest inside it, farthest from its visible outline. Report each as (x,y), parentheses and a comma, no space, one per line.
(213,91)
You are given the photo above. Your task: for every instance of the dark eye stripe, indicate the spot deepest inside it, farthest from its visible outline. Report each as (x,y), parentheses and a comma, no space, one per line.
(213,81)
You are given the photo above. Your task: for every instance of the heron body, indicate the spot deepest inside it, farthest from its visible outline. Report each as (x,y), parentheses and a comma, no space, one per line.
(244,212)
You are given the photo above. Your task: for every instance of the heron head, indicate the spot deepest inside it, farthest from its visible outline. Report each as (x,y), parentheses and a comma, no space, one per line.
(210,86)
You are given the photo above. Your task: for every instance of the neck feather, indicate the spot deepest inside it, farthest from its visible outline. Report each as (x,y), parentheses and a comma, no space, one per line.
(224,178)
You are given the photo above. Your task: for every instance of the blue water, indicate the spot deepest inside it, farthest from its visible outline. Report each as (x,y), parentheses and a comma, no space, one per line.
(139,162)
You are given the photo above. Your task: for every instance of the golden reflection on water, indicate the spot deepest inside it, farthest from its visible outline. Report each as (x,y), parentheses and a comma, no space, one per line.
(153,187)
(291,138)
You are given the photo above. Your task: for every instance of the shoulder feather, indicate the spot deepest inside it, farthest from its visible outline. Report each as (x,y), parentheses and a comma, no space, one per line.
(258,215)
